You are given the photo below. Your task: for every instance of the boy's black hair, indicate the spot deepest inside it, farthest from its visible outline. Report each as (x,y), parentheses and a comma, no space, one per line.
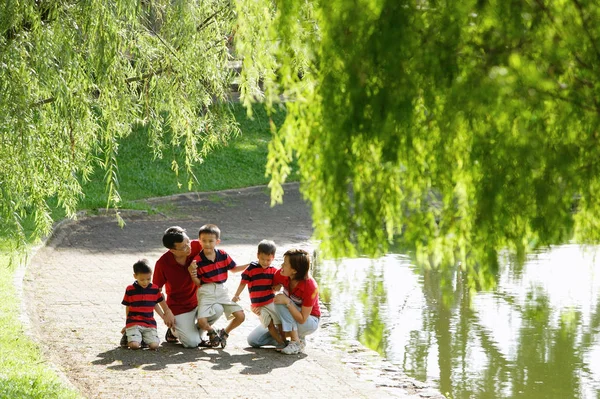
(267,247)
(210,229)
(172,236)
(142,267)
(299,261)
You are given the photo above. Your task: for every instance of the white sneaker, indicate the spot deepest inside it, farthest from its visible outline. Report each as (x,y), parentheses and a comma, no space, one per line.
(293,348)
(302,344)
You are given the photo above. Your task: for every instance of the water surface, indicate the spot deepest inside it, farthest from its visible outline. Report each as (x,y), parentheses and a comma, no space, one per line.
(535,335)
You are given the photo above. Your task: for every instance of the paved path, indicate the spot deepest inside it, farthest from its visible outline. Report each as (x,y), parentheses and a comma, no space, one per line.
(74,285)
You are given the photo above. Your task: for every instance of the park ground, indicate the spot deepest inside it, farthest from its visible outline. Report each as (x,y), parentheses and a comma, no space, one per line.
(73,286)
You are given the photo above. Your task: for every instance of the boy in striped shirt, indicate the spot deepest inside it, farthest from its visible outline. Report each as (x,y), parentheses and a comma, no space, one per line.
(259,279)
(209,271)
(140,300)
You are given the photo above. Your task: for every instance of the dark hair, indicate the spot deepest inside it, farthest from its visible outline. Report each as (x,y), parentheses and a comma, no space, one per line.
(210,229)
(172,236)
(142,267)
(267,247)
(299,261)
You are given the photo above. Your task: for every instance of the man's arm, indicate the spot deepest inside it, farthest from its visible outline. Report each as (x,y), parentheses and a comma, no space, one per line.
(163,311)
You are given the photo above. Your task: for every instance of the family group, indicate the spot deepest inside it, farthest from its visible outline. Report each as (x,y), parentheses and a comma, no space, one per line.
(193,273)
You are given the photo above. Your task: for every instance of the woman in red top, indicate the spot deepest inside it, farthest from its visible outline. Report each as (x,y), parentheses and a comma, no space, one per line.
(298,306)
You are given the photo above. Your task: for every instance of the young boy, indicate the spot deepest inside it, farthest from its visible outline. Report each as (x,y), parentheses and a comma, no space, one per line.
(140,300)
(259,278)
(209,272)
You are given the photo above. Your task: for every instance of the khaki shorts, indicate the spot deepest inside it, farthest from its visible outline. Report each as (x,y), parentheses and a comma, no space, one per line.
(268,314)
(137,333)
(212,293)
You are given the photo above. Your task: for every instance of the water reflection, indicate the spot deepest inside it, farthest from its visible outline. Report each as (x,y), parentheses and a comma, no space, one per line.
(534,336)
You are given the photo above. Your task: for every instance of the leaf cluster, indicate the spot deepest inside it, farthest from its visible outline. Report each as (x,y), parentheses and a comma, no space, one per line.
(77,76)
(457,129)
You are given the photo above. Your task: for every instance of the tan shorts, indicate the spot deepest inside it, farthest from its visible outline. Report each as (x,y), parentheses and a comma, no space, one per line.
(139,333)
(210,294)
(268,314)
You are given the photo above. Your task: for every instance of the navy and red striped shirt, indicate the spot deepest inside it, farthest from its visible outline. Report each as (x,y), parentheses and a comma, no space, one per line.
(141,302)
(260,283)
(214,272)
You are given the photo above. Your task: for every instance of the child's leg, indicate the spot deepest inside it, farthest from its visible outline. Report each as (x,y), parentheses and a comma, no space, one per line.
(150,337)
(238,318)
(203,324)
(274,331)
(281,333)
(134,337)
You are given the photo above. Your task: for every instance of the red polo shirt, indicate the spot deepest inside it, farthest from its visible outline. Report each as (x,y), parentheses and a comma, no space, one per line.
(179,287)
(305,294)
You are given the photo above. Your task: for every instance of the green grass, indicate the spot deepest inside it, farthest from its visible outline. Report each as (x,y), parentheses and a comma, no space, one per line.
(241,163)
(23,373)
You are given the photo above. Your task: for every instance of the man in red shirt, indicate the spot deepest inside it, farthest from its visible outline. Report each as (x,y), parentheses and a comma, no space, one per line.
(171,271)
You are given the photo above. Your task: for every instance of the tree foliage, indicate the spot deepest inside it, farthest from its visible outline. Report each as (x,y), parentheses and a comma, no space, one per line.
(459,128)
(77,76)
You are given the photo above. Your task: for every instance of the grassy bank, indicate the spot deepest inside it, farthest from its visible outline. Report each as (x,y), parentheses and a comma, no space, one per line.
(23,373)
(241,163)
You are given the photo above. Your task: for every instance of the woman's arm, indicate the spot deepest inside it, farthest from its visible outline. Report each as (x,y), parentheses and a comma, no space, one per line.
(299,316)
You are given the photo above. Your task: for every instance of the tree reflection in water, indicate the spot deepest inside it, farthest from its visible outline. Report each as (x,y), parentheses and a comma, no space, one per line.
(533,336)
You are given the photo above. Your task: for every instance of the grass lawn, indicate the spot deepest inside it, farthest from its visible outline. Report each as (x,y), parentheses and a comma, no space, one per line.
(241,163)
(23,373)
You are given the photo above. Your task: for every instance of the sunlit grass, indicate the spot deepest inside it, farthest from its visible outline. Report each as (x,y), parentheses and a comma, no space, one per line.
(23,372)
(239,163)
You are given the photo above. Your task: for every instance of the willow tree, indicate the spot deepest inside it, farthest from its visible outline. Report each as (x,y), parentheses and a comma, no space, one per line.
(461,128)
(77,76)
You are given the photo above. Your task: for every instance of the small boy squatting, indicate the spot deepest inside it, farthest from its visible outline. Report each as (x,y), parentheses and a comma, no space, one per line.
(140,300)
(259,279)
(209,271)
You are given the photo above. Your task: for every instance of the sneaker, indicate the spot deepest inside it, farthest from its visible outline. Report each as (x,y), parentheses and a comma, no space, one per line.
(302,344)
(170,337)
(223,337)
(280,346)
(123,342)
(213,336)
(293,348)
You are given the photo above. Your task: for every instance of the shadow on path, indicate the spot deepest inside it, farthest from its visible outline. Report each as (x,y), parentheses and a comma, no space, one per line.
(255,361)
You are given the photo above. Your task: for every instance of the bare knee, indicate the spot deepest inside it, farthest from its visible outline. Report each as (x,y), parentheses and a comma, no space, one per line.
(240,315)
(153,346)
(134,345)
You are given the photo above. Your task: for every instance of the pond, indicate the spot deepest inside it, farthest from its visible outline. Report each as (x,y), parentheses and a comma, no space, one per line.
(535,335)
